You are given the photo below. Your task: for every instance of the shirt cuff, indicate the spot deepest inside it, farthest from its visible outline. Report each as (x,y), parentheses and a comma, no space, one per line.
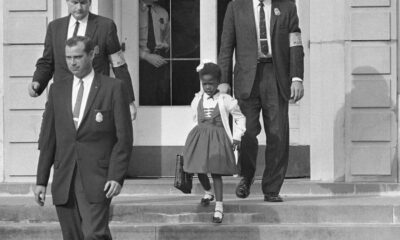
(143,53)
(296,79)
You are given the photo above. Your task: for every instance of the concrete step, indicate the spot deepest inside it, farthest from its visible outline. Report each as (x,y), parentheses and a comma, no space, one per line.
(291,187)
(51,231)
(186,209)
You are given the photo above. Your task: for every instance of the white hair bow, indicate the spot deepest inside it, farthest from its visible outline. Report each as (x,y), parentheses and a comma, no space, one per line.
(202,63)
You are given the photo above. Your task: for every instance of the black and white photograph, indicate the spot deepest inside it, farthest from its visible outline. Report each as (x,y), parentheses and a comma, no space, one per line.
(199,120)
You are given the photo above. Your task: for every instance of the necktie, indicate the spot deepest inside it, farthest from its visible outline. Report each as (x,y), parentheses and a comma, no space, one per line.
(263,30)
(151,40)
(78,103)
(76,29)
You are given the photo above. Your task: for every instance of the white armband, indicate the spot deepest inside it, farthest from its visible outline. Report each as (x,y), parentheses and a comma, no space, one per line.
(117,59)
(297,79)
(295,39)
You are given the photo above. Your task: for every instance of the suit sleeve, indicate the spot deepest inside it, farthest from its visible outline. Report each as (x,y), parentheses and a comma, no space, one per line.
(45,65)
(122,149)
(117,60)
(47,143)
(296,46)
(228,43)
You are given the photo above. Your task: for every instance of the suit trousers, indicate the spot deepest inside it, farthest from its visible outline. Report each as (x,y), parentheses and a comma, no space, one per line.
(266,98)
(80,219)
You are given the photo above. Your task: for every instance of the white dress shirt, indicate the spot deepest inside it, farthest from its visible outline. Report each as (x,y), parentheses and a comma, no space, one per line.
(209,104)
(81,29)
(267,10)
(160,25)
(87,84)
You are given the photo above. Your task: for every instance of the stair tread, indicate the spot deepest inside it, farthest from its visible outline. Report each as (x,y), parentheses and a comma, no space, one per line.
(193,200)
(200,225)
(292,187)
(46,231)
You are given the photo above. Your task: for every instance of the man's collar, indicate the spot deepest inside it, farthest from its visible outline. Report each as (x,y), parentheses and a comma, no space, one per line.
(144,6)
(266,2)
(87,78)
(72,20)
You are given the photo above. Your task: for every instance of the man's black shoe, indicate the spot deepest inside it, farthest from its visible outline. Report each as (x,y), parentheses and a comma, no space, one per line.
(243,188)
(273,197)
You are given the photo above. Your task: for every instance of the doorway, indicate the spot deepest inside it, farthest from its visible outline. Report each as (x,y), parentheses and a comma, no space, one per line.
(161,129)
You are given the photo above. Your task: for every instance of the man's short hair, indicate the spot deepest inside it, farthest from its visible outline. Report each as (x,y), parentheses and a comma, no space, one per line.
(87,42)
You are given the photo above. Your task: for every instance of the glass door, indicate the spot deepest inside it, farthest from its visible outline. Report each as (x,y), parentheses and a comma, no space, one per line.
(162,49)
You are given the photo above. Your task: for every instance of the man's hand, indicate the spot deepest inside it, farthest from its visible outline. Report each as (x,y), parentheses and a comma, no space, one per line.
(133,109)
(224,88)
(236,145)
(297,91)
(33,87)
(155,60)
(113,188)
(40,194)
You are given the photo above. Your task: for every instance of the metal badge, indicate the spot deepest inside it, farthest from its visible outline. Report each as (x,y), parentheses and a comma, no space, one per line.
(96,50)
(277,12)
(99,117)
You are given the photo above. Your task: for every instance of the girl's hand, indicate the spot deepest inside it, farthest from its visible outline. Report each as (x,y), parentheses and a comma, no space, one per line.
(236,145)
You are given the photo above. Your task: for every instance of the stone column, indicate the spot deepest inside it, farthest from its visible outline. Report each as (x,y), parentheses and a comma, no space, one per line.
(2,77)
(327,89)
(208,30)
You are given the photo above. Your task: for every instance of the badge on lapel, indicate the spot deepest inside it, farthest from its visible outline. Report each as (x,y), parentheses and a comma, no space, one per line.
(99,117)
(277,11)
(162,20)
(96,50)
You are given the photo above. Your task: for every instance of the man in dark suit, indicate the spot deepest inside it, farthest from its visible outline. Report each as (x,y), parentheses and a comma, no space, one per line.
(81,22)
(88,139)
(266,38)
(154,43)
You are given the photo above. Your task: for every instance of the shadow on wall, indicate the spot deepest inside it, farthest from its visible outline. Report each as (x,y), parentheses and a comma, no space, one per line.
(353,124)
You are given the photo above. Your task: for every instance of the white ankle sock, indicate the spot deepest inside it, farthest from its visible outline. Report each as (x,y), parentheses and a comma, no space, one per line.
(219,209)
(208,195)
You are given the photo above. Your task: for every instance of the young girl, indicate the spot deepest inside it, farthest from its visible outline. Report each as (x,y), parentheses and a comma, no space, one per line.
(210,145)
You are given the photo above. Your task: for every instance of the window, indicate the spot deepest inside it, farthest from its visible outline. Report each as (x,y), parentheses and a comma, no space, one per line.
(169,51)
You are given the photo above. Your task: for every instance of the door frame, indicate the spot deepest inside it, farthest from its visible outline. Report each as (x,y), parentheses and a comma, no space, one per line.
(398,90)
(2,87)
(155,127)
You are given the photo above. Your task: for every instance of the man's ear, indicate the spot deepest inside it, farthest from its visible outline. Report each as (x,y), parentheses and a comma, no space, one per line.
(92,54)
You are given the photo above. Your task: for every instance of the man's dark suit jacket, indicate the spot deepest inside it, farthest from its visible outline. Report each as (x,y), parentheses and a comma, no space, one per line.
(240,34)
(100,147)
(101,30)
